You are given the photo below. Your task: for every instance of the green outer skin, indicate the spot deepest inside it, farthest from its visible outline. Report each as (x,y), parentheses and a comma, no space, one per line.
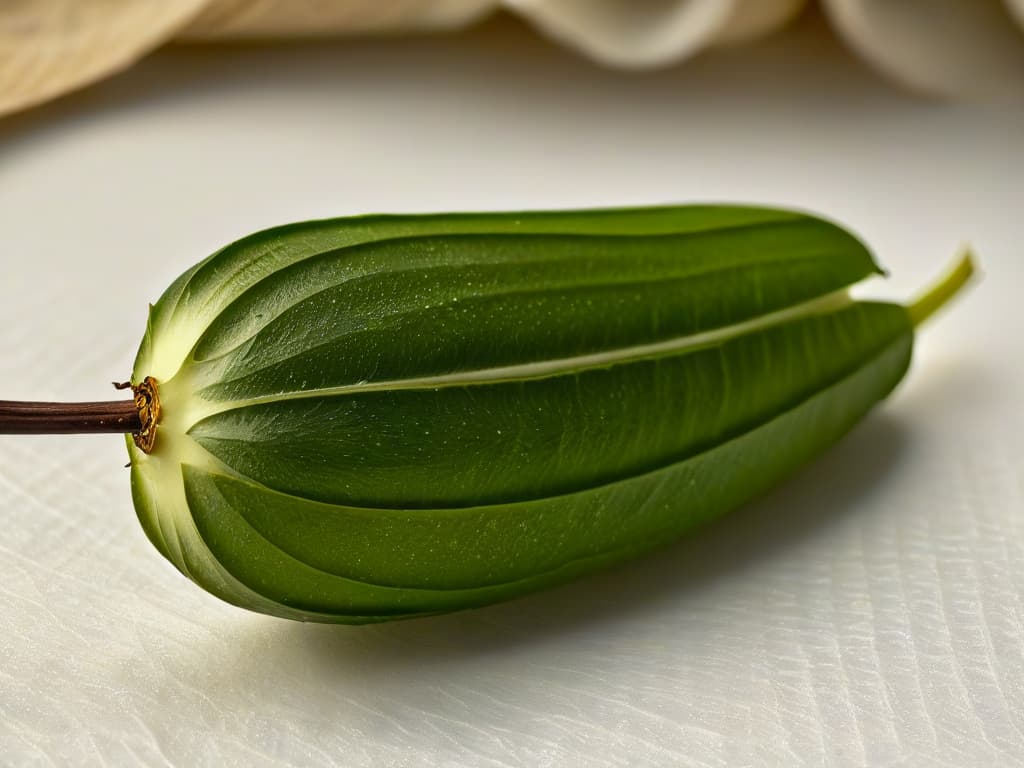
(380,500)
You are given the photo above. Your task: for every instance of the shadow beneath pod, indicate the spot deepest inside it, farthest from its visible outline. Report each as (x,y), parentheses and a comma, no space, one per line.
(652,588)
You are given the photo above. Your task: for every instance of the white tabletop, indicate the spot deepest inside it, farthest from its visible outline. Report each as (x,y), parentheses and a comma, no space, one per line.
(869,612)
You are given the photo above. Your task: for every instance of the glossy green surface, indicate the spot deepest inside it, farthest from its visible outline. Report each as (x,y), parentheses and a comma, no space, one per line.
(379,417)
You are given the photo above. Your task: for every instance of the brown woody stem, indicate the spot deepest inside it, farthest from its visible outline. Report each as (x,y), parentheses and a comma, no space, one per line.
(140,416)
(23,418)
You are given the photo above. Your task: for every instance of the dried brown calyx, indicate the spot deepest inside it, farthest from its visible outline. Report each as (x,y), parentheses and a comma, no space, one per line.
(147,400)
(147,403)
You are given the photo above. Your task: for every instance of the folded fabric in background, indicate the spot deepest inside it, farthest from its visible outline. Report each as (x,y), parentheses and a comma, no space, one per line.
(954,48)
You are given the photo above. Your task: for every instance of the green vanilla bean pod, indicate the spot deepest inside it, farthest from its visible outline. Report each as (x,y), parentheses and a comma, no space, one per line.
(380,417)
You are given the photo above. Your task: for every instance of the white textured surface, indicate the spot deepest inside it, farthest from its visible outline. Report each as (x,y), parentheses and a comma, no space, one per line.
(869,612)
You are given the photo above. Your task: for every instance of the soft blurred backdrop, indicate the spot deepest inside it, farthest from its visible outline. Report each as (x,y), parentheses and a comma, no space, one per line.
(970,49)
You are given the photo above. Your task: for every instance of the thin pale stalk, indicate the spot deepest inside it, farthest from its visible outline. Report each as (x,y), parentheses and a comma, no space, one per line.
(937,296)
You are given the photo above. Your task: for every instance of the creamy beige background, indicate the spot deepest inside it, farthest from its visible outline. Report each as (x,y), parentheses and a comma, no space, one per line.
(867,613)
(962,49)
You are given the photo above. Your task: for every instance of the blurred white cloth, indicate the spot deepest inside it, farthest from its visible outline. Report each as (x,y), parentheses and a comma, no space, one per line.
(954,48)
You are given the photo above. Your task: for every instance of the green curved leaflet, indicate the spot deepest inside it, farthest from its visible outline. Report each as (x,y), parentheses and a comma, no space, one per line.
(387,416)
